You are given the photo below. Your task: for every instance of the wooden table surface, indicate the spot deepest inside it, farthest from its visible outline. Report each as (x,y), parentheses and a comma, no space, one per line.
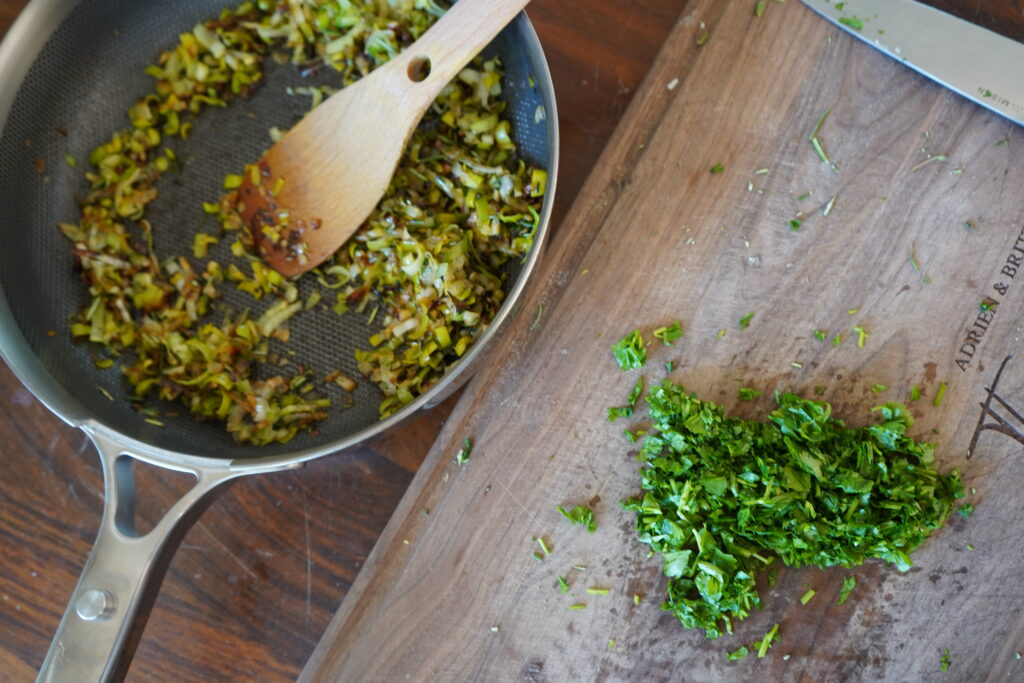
(257,579)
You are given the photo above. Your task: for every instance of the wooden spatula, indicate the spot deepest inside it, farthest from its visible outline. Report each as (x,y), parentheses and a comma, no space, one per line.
(319,182)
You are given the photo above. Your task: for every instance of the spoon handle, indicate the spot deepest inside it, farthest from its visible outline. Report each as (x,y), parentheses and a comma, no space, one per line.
(458,36)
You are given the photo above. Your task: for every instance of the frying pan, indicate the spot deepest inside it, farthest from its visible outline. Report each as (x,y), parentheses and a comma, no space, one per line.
(71,69)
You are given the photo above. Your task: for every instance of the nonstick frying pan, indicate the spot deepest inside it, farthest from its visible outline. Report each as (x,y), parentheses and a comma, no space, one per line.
(70,70)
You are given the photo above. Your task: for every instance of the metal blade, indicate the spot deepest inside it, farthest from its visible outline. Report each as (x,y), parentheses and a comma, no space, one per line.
(980,65)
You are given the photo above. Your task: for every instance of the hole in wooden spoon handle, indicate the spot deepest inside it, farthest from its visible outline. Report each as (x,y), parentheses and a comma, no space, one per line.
(419,68)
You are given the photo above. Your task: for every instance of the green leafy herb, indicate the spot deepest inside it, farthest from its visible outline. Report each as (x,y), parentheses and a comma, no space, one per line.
(828,207)
(638,389)
(748,394)
(717,168)
(808,596)
(862,336)
(852,22)
(630,352)
(463,455)
(765,643)
(820,334)
(837,340)
(723,497)
(669,334)
(939,394)
(815,142)
(745,320)
(944,662)
(721,333)
(759,9)
(805,195)
(879,388)
(915,393)
(581,515)
(737,654)
(669,366)
(615,412)
(795,223)
(578,605)
(849,582)
(703,39)
(966,510)
(563,585)
(543,545)
(598,591)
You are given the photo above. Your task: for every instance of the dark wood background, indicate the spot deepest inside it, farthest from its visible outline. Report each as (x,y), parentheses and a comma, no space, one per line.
(260,575)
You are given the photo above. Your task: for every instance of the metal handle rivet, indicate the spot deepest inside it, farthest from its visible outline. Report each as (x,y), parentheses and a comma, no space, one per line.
(95,604)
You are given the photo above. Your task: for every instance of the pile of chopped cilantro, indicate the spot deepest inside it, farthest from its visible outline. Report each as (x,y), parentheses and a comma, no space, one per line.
(724,497)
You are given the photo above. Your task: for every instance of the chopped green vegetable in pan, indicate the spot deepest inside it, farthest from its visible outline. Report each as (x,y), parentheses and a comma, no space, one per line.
(426,265)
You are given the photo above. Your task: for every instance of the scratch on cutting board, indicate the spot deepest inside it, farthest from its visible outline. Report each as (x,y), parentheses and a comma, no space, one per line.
(511,495)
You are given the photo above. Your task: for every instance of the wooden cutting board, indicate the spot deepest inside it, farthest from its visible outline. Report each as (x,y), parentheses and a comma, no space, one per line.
(926,225)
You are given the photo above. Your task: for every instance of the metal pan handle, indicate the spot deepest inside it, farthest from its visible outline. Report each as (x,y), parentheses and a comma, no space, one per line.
(108,609)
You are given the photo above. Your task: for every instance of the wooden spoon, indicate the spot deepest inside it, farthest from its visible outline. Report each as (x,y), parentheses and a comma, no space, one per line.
(320,181)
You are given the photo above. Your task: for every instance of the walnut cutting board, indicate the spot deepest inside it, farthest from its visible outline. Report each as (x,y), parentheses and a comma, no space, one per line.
(925,226)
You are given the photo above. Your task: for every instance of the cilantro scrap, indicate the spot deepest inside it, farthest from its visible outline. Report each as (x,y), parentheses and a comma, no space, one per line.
(944,662)
(581,515)
(725,497)
(737,654)
(463,455)
(765,643)
(669,334)
(563,585)
(630,351)
(745,320)
(966,510)
(848,584)
(748,394)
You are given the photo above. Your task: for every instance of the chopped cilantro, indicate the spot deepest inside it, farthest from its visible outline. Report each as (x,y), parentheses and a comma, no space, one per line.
(737,654)
(862,336)
(721,333)
(703,39)
(808,596)
(765,643)
(638,389)
(939,394)
(723,497)
(879,388)
(915,393)
(543,545)
(636,598)
(581,515)
(463,455)
(795,223)
(669,334)
(630,351)
(563,585)
(717,168)
(598,591)
(669,366)
(944,662)
(759,9)
(748,394)
(852,22)
(578,605)
(966,510)
(820,335)
(848,584)
(615,412)
(837,340)
(745,320)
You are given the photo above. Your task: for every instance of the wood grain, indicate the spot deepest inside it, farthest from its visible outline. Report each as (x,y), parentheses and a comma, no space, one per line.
(927,213)
(258,578)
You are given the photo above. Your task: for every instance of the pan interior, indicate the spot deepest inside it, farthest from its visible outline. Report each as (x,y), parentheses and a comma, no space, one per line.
(77,92)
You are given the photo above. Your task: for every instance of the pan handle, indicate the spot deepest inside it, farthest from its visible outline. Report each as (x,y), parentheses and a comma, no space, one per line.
(119,583)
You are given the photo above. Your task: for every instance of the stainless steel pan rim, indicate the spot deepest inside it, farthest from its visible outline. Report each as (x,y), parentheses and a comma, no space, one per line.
(122,574)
